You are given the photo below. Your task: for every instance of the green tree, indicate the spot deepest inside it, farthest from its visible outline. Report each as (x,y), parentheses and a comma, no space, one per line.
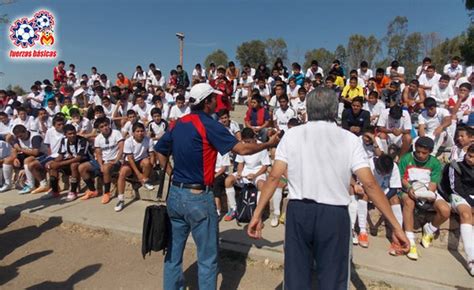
(361,48)
(396,33)
(411,53)
(17,89)
(276,48)
(448,48)
(322,55)
(467,48)
(341,54)
(252,53)
(218,57)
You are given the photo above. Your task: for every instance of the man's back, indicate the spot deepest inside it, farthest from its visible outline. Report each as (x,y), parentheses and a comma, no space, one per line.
(321,158)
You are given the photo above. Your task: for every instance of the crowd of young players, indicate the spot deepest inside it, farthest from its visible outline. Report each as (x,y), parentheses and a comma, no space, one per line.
(83,126)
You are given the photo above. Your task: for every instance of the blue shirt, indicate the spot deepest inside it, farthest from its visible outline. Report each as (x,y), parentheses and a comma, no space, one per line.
(194,141)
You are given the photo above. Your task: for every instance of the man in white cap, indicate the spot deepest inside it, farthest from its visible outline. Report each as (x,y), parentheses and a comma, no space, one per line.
(194,142)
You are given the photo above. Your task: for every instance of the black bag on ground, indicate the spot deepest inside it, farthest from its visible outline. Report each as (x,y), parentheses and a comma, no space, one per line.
(156,228)
(247,203)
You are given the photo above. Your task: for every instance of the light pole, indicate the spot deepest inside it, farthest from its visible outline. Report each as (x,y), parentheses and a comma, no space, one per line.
(180,36)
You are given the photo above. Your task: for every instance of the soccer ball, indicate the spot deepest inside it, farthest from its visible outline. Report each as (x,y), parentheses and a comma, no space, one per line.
(42,22)
(26,34)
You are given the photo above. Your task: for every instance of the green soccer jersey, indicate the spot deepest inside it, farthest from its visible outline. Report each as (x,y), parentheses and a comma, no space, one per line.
(412,170)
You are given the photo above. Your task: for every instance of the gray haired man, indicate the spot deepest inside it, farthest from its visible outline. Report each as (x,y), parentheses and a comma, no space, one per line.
(321,158)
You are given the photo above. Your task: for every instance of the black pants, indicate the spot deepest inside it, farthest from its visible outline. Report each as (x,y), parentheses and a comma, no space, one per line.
(317,232)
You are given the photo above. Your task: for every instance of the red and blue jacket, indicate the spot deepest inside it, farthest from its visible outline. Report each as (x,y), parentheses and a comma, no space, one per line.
(194,142)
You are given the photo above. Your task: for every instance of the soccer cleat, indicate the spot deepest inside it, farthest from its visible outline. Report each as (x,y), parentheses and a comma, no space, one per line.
(89,194)
(355,240)
(50,195)
(106,198)
(427,238)
(230,215)
(274,221)
(40,189)
(413,254)
(71,196)
(119,206)
(148,186)
(363,240)
(6,187)
(26,189)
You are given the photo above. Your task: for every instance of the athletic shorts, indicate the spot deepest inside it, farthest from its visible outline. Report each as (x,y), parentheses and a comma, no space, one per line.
(21,157)
(44,159)
(241,182)
(96,167)
(218,188)
(457,200)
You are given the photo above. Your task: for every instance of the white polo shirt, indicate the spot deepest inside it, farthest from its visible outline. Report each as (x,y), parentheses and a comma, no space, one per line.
(222,161)
(441,95)
(311,75)
(365,75)
(431,123)
(385,121)
(452,71)
(321,159)
(53,139)
(253,163)
(281,117)
(425,81)
(139,150)
(400,70)
(110,146)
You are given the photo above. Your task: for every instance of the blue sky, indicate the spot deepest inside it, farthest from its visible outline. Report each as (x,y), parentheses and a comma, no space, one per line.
(116,35)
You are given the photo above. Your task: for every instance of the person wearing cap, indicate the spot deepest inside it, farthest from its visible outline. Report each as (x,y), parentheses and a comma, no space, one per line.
(421,174)
(194,142)
(317,223)
(394,125)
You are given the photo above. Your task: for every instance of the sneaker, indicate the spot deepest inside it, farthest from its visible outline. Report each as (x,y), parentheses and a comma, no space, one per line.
(230,215)
(470,267)
(394,250)
(89,194)
(148,186)
(26,189)
(364,240)
(71,196)
(413,254)
(106,198)
(355,240)
(40,189)
(274,221)
(119,206)
(282,218)
(427,238)
(6,187)
(50,195)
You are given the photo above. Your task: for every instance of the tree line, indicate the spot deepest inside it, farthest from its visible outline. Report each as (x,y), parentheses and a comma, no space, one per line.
(397,44)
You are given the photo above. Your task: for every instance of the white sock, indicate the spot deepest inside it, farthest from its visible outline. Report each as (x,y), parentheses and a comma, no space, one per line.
(7,173)
(276,200)
(466,236)
(430,228)
(362,215)
(411,238)
(120,197)
(30,179)
(1,176)
(231,203)
(44,183)
(353,210)
(397,211)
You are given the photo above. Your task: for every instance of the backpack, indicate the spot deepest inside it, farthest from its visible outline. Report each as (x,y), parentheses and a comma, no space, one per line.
(247,203)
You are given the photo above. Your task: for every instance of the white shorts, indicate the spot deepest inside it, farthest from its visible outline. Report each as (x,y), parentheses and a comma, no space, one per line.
(397,140)
(241,182)
(457,200)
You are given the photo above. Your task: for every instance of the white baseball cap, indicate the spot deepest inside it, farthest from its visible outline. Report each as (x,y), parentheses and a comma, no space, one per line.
(78,92)
(201,91)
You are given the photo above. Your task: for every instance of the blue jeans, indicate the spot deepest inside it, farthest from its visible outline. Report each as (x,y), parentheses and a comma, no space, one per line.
(195,214)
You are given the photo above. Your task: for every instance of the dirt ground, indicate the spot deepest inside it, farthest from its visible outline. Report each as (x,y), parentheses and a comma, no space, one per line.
(50,254)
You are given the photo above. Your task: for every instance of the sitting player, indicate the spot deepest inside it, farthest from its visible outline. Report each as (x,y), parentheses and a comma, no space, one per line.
(250,169)
(395,127)
(220,174)
(464,137)
(433,122)
(108,154)
(421,173)
(74,150)
(139,161)
(457,186)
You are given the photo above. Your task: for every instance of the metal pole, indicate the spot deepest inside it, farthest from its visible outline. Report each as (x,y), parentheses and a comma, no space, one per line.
(180,36)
